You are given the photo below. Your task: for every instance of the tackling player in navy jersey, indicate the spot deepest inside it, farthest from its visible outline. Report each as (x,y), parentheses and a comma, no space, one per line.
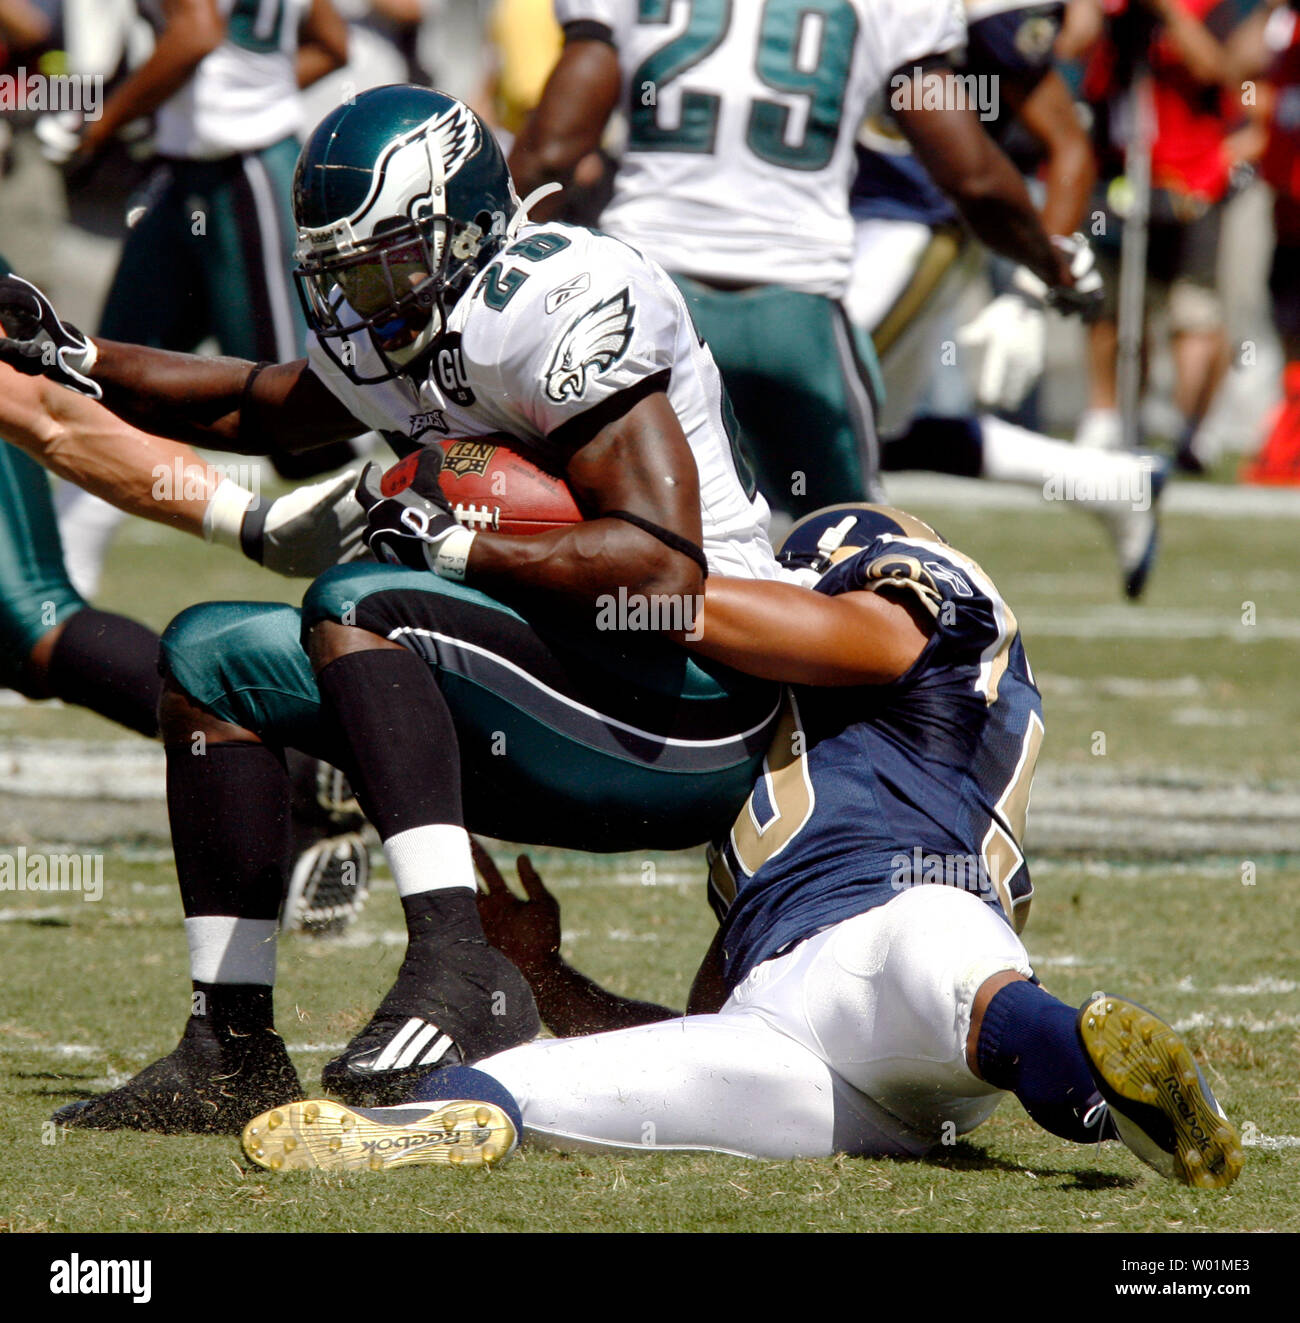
(867,991)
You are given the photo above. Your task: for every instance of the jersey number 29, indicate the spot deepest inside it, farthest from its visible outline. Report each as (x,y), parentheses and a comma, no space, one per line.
(804,51)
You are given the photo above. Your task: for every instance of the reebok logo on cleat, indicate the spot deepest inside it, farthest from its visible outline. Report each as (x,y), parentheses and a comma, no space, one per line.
(426,1139)
(1186,1109)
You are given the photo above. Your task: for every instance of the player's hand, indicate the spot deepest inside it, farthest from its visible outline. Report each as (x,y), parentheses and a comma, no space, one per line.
(38,343)
(308,530)
(527,932)
(408,519)
(1012,333)
(1084,294)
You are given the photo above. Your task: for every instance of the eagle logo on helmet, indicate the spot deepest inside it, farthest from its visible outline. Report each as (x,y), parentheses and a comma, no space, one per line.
(594,342)
(434,151)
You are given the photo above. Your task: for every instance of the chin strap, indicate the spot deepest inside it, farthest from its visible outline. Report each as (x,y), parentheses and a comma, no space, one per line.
(520,218)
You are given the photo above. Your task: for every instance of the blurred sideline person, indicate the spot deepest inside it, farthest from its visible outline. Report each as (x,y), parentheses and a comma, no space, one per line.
(1270,51)
(867,992)
(735,179)
(913,261)
(1185,43)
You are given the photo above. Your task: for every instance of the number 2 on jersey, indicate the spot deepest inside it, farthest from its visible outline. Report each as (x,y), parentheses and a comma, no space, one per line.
(804,51)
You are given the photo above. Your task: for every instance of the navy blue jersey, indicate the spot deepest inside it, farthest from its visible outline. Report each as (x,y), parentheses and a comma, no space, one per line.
(1009,49)
(869,790)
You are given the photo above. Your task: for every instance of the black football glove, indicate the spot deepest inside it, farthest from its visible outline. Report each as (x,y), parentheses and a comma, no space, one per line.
(408,519)
(37,343)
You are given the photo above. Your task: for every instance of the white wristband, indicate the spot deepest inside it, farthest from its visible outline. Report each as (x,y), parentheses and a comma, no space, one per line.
(89,357)
(453,554)
(224,517)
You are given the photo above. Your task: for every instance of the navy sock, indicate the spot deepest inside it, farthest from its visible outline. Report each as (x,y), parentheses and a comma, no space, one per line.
(1028,1044)
(110,665)
(465,1084)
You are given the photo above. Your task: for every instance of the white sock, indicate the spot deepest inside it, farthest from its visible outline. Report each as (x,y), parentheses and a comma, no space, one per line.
(86,527)
(1014,454)
(224,949)
(430,859)
(1101,429)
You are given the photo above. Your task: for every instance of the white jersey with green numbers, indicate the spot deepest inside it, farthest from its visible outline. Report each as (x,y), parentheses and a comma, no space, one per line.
(741,121)
(244,95)
(559,324)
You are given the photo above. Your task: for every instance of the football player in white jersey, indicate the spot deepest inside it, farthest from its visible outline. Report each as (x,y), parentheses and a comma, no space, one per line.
(867,991)
(913,261)
(735,178)
(435,309)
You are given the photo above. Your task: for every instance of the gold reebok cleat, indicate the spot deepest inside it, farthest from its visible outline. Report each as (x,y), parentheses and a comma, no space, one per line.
(322,1135)
(1161,1105)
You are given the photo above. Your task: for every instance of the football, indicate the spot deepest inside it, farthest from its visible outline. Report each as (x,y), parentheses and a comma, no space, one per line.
(494,488)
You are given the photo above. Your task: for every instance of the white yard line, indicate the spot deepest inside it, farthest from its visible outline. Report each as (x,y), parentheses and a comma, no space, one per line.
(1218,500)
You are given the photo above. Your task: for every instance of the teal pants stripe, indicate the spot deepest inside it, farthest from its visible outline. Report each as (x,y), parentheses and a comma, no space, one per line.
(35,591)
(800,387)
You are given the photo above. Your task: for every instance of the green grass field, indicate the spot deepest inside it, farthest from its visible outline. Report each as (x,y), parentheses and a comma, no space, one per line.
(1166,855)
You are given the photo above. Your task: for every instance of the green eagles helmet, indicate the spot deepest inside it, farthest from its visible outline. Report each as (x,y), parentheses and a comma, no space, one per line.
(401,197)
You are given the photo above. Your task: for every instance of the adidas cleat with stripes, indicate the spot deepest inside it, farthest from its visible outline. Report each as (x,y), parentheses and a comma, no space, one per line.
(326,1136)
(1159,1101)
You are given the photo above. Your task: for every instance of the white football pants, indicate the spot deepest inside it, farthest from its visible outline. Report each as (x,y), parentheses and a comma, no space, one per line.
(853,1042)
(889,271)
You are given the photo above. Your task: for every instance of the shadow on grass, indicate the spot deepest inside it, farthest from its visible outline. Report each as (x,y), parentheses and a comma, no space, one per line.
(966,1157)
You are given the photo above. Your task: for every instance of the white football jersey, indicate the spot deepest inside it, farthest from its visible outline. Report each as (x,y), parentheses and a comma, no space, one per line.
(558,323)
(741,122)
(244,95)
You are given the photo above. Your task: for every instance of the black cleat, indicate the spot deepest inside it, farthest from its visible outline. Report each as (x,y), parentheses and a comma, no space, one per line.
(475,1003)
(210,1085)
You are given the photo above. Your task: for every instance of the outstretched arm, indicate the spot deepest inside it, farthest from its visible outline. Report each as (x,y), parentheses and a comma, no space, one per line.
(974,171)
(223,403)
(780,631)
(304,532)
(1070,171)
